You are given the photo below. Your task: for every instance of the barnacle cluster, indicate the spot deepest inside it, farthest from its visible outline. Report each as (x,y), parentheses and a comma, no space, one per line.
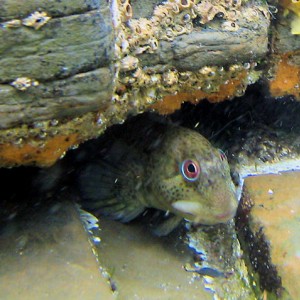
(137,85)
(212,83)
(140,85)
(170,19)
(23,83)
(35,20)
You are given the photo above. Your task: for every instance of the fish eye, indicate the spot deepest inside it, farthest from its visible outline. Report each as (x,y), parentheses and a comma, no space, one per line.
(190,170)
(222,155)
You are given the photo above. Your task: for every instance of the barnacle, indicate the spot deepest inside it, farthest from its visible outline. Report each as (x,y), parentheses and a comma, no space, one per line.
(36,20)
(182,4)
(236,3)
(161,11)
(179,29)
(129,63)
(168,35)
(143,85)
(154,79)
(208,71)
(125,10)
(208,11)
(186,18)
(141,50)
(169,78)
(230,26)
(23,83)
(142,30)
(141,77)
(15,23)
(153,43)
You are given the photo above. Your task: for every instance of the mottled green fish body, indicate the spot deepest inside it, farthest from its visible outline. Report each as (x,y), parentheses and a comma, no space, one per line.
(153,165)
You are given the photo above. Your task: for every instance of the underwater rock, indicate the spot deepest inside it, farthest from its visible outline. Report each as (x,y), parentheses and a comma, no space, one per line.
(47,252)
(151,267)
(218,261)
(268,224)
(283,74)
(70,69)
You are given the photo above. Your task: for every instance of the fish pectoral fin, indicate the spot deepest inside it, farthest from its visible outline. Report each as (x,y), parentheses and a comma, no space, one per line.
(100,192)
(167,226)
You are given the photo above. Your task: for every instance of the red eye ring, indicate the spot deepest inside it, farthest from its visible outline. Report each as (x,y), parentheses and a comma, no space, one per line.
(190,170)
(222,155)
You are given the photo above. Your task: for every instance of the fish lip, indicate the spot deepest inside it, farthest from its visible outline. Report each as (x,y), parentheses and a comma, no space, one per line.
(187,207)
(193,211)
(227,215)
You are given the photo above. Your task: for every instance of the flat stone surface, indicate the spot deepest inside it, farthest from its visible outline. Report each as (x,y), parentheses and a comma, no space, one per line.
(47,255)
(146,267)
(276,212)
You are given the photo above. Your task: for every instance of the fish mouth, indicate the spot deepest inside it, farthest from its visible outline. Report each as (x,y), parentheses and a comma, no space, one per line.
(194,211)
(187,207)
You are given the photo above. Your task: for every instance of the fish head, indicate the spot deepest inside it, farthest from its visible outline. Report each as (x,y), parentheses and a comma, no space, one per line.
(192,179)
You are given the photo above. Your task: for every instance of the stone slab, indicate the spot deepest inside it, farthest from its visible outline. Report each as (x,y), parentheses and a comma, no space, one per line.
(274,218)
(146,267)
(47,255)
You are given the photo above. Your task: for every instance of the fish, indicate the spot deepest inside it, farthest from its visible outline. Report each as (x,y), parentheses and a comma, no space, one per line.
(147,163)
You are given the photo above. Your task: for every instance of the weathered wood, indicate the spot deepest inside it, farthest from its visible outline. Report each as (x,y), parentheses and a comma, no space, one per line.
(63,60)
(16,9)
(56,99)
(82,43)
(69,59)
(64,47)
(214,45)
(193,51)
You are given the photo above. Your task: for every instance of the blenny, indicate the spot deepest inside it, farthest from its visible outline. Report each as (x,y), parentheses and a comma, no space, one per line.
(146,163)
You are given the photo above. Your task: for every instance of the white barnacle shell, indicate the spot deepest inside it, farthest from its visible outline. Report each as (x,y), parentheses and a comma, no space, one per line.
(155,79)
(129,63)
(185,76)
(153,43)
(15,23)
(36,20)
(140,50)
(173,7)
(236,3)
(126,11)
(189,27)
(124,46)
(208,71)
(183,3)
(169,78)
(142,27)
(161,11)
(230,26)
(235,68)
(179,29)
(168,35)
(23,83)
(193,13)
(134,25)
(138,73)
